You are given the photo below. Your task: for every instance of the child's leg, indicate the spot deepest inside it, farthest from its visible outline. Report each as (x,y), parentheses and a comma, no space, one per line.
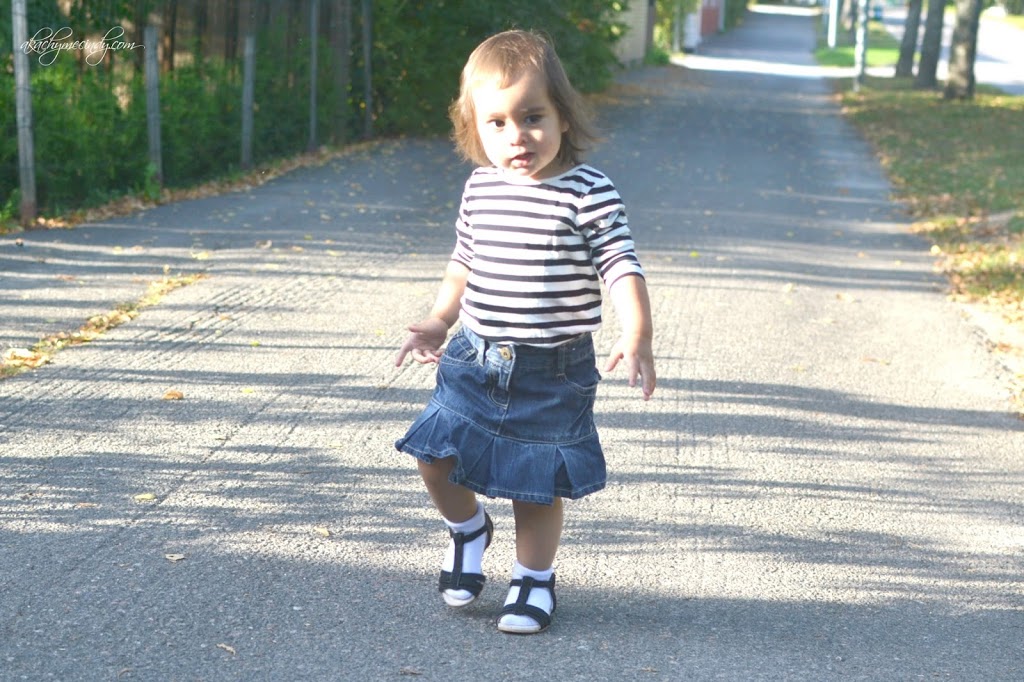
(470,530)
(456,503)
(538,532)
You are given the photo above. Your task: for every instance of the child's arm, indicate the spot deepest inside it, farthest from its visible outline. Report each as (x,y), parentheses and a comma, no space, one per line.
(633,306)
(428,336)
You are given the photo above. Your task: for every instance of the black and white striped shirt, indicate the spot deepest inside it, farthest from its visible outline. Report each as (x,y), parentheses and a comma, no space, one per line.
(535,250)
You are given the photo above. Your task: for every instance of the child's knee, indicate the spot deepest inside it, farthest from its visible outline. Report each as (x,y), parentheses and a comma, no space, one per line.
(436,471)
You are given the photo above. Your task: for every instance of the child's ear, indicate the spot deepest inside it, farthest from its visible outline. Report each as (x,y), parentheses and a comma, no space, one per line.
(565,127)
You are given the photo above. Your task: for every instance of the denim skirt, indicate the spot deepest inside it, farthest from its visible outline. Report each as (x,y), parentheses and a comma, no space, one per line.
(519,420)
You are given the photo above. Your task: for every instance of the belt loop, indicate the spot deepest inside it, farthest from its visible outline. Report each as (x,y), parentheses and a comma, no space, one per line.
(563,352)
(479,345)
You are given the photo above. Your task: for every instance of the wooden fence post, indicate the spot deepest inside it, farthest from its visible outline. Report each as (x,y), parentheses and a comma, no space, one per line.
(156,166)
(23,97)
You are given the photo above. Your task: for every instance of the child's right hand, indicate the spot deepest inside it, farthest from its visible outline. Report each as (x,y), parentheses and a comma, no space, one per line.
(425,342)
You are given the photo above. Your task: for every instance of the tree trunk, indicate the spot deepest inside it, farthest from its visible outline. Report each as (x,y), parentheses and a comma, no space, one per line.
(170,33)
(848,15)
(908,46)
(931,46)
(960,84)
(200,18)
(860,52)
(231,32)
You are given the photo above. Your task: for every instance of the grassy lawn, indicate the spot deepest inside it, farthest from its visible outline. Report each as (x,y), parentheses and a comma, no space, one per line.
(959,169)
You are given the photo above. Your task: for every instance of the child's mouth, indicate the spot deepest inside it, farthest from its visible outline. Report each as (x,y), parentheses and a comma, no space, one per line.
(522,160)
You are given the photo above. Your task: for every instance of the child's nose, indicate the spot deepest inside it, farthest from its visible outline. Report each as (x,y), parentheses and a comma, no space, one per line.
(514,132)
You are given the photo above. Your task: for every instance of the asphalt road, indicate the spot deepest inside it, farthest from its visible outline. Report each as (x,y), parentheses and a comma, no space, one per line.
(827,484)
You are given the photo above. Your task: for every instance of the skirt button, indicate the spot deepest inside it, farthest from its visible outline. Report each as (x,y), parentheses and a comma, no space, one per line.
(506,354)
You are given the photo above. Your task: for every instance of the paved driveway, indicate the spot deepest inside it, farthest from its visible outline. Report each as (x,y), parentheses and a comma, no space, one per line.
(827,485)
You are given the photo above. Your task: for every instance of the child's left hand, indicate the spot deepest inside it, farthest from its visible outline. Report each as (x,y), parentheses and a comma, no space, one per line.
(635,352)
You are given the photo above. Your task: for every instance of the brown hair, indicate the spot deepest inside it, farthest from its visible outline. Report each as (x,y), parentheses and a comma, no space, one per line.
(505,57)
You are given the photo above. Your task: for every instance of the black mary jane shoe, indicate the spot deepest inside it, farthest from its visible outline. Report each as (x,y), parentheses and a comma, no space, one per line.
(541,618)
(456,579)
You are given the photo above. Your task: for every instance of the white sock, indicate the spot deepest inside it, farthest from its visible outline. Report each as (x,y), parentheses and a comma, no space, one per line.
(539,597)
(472,551)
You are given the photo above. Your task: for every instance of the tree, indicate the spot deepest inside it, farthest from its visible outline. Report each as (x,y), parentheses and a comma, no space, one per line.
(908,46)
(960,84)
(931,46)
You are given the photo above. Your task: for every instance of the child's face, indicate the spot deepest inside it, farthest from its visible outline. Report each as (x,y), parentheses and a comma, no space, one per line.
(519,126)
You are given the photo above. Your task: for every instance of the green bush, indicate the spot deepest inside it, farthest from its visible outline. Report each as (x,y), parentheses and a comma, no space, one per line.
(420,47)
(199,123)
(83,154)
(89,123)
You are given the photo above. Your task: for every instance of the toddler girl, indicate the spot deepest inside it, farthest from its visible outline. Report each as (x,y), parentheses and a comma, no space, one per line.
(512,413)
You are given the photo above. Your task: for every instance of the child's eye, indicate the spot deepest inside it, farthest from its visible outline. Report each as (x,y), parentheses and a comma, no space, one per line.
(495,123)
(533,119)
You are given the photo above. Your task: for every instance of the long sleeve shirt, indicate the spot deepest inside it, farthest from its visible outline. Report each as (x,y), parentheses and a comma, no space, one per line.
(537,252)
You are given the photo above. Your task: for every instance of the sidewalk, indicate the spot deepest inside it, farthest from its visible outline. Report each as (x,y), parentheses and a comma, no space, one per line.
(827,484)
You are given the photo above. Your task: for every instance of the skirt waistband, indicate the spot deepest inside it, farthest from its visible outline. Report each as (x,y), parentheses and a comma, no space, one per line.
(580,345)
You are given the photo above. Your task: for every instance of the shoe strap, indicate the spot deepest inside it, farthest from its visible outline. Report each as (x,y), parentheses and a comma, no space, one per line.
(527,584)
(520,608)
(460,540)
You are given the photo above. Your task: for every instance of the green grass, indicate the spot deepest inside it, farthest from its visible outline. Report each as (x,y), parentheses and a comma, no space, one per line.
(883,49)
(959,170)
(1014,20)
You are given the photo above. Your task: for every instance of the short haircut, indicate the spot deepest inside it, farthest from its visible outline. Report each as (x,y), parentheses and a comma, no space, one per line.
(505,57)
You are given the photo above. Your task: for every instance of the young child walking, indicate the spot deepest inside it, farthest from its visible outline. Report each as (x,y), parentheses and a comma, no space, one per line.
(512,413)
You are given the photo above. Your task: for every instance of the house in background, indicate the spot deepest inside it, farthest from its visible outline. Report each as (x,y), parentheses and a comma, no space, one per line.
(639,18)
(707,20)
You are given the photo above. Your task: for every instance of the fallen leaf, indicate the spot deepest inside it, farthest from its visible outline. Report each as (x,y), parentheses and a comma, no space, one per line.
(409,671)
(174,395)
(228,648)
(174,558)
(324,532)
(144,497)
(23,357)
(845,298)
(788,289)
